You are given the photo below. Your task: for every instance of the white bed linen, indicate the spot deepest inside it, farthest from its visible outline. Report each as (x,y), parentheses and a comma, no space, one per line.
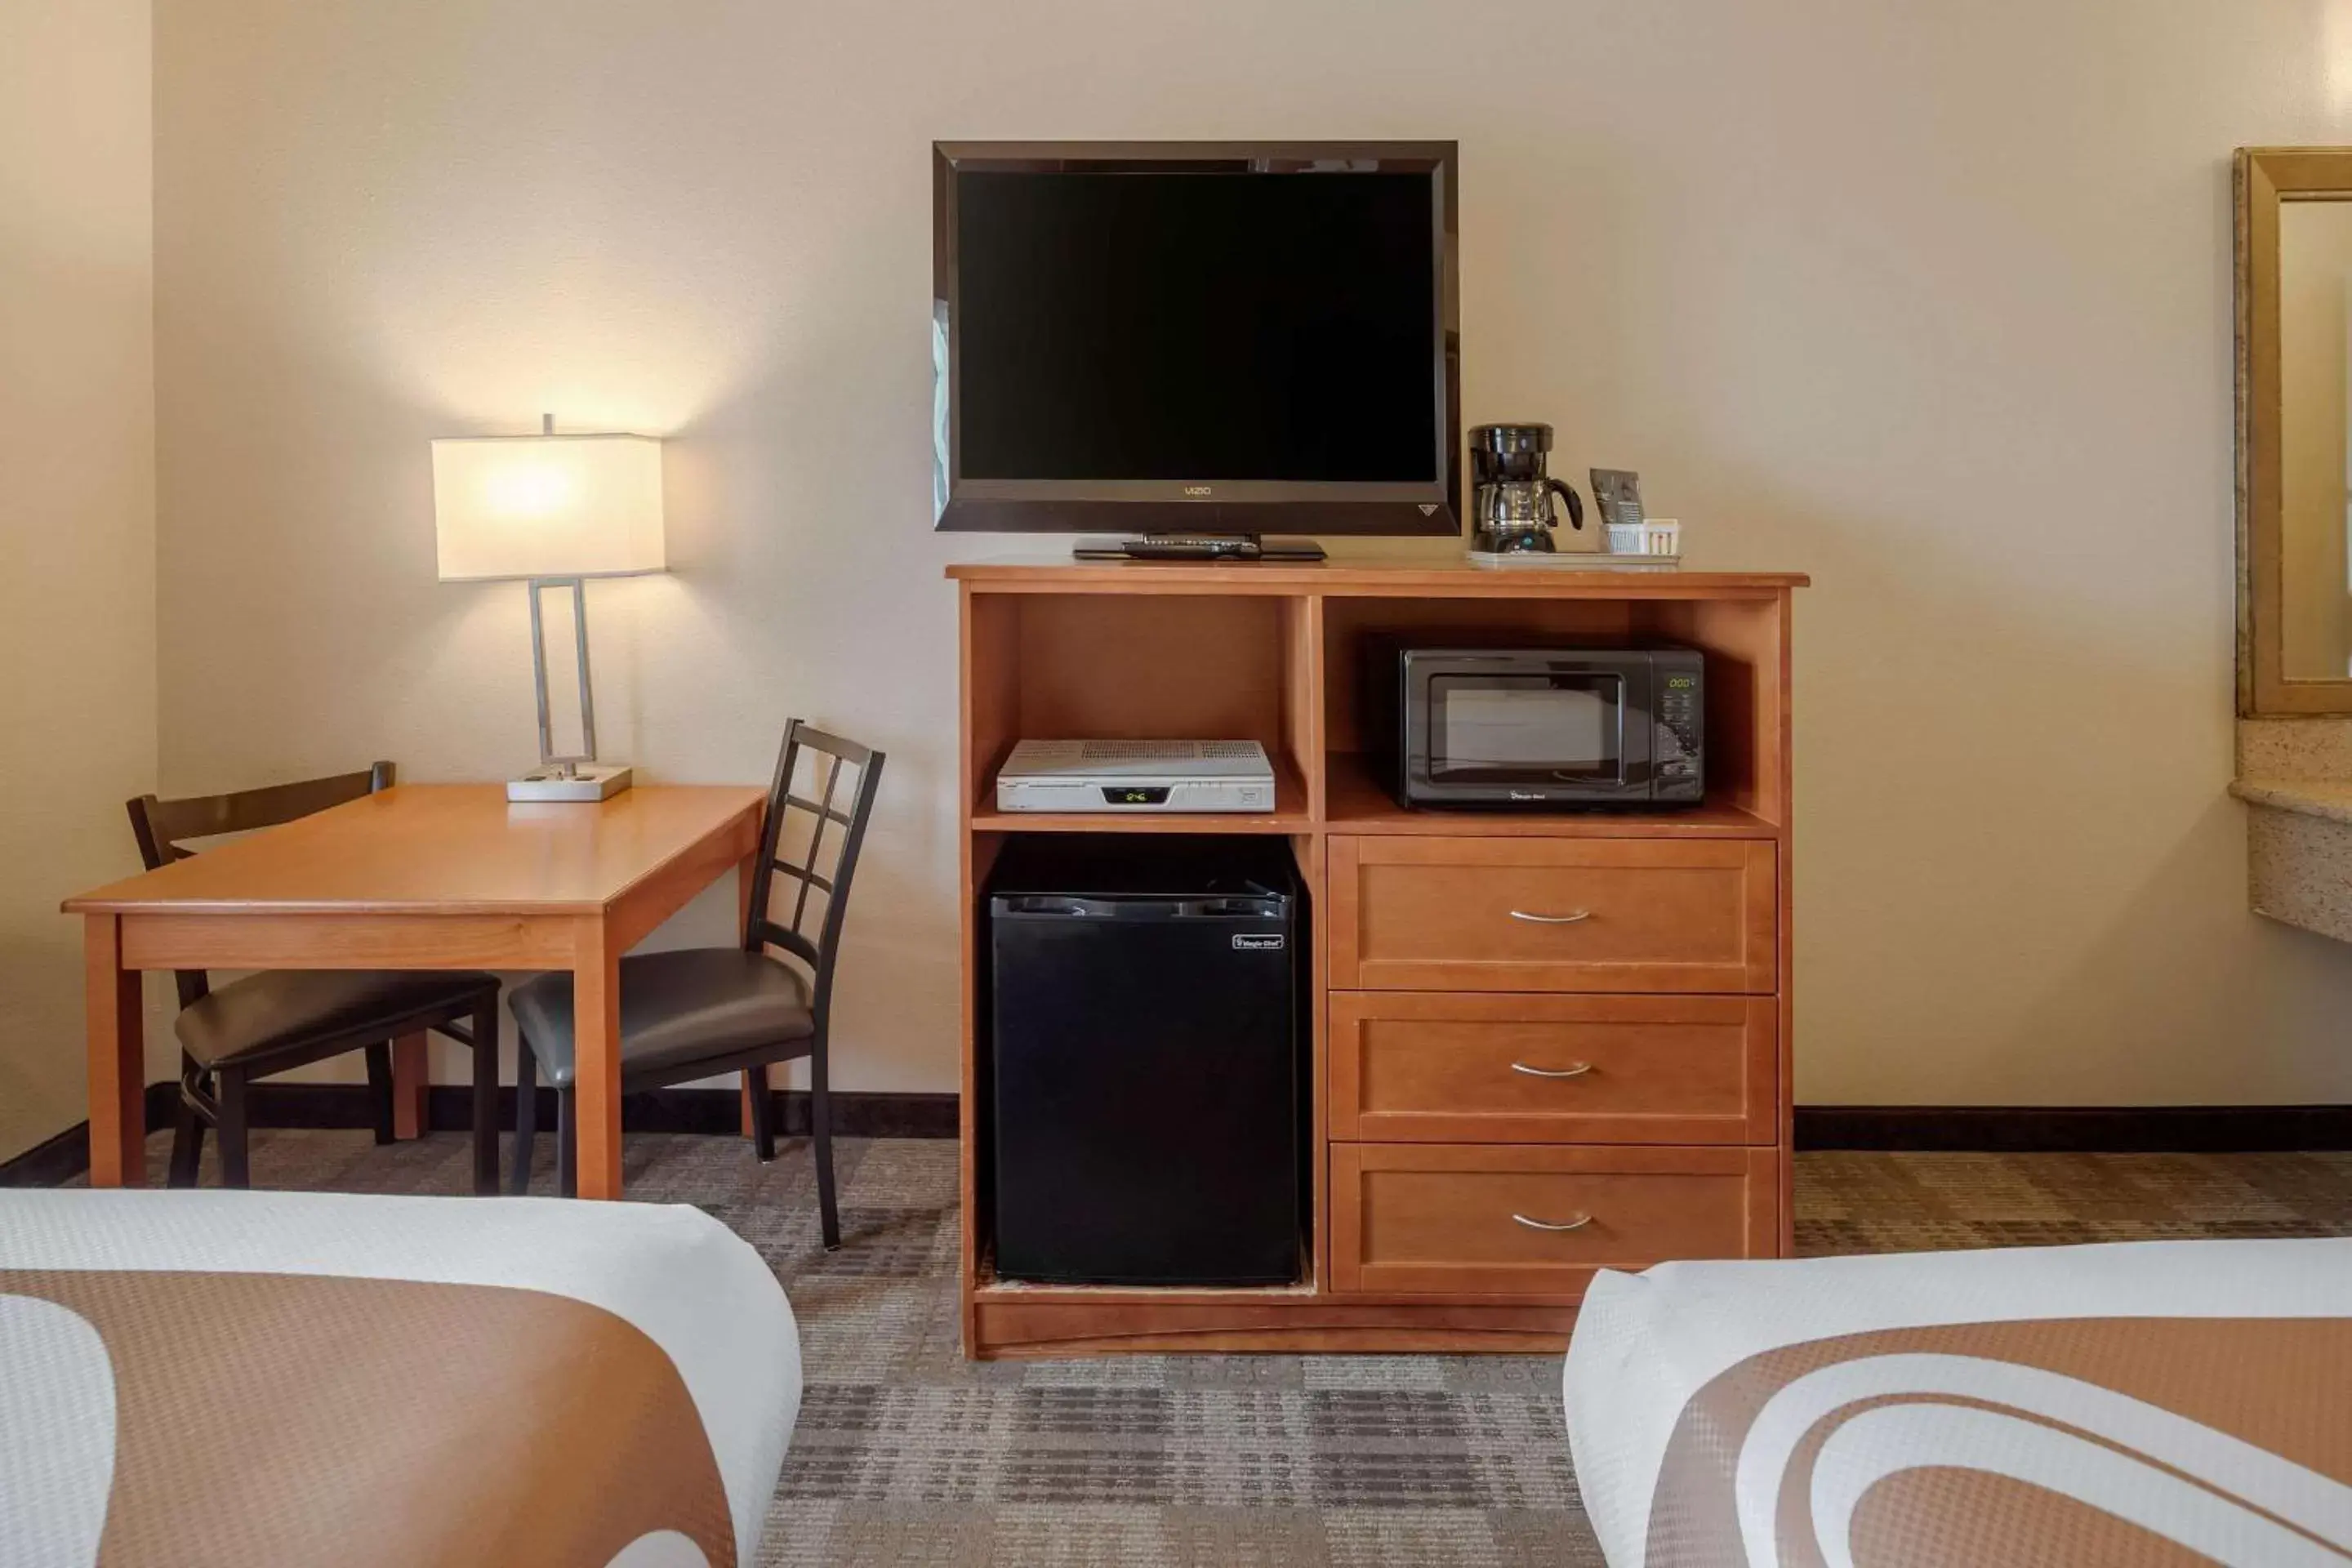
(692,1286)
(1644,1345)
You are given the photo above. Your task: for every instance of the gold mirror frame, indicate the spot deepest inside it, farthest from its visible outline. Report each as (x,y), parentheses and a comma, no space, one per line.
(2267,178)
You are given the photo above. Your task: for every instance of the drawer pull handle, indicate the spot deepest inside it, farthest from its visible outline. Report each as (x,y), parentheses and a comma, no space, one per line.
(1569,919)
(1576,1070)
(1578,1223)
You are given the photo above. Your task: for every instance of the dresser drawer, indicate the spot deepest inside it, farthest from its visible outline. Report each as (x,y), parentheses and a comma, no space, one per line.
(1552,914)
(1486,1219)
(1478,1067)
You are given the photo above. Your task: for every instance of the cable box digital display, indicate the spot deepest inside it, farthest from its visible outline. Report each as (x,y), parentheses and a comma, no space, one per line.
(1136,775)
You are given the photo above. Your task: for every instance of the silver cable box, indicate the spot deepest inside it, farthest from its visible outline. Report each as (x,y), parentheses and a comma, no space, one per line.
(1136,775)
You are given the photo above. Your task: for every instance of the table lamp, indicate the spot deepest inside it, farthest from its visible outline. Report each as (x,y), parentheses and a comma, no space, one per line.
(551,510)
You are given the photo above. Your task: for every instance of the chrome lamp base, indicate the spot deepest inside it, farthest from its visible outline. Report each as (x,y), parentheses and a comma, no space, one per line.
(584,781)
(582,777)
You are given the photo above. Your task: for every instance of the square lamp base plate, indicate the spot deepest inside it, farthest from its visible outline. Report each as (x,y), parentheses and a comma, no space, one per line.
(588,781)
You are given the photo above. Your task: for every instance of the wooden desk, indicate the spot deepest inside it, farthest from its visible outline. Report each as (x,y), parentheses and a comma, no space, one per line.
(418,876)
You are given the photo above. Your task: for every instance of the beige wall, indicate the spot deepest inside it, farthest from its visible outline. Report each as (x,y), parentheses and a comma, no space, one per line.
(77,514)
(1930,300)
(2315,277)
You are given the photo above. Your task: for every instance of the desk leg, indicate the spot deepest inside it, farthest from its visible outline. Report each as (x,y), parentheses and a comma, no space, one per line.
(755,1079)
(746,880)
(596,1047)
(412,1081)
(117,1058)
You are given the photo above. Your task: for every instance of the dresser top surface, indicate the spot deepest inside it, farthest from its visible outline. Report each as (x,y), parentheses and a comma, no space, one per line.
(1443,576)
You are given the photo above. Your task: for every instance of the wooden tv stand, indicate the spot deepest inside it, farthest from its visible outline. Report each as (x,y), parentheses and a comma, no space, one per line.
(1424,1142)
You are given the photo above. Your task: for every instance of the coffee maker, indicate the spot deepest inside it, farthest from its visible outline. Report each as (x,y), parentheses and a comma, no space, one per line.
(1511,496)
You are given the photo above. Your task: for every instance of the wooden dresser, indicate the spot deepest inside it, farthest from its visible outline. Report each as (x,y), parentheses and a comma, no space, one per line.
(1542,1045)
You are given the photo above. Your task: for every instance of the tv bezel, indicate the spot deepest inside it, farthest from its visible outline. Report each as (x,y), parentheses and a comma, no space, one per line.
(1199,506)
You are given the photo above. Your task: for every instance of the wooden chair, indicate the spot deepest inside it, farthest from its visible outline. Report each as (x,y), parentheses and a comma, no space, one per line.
(282,1019)
(704,1011)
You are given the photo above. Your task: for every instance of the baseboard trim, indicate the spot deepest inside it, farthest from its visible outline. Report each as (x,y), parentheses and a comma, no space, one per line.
(450,1108)
(53,1162)
(1944,1129)
(2076,1130)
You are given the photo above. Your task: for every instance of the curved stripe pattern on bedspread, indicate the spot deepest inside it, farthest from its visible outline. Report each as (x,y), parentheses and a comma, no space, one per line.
(233,1377)
(2152,1402)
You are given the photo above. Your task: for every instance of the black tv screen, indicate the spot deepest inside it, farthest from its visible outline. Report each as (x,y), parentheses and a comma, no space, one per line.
(1197,339)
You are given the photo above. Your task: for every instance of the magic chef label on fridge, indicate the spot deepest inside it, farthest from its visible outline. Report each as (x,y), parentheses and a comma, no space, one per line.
(1248,944)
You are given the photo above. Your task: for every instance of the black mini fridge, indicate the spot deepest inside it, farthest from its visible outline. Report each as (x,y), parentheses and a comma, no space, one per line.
(1144,1060)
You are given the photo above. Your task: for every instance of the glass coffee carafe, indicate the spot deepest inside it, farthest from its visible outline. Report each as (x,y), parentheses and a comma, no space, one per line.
(1511,501)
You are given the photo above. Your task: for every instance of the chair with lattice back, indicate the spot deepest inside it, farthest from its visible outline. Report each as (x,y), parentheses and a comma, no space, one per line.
(282,1019)
(700,1012)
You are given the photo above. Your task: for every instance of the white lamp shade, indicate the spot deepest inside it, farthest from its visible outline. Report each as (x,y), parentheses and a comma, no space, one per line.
(547,505)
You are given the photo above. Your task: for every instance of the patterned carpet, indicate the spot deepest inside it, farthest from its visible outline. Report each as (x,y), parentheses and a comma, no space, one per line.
(908,1454)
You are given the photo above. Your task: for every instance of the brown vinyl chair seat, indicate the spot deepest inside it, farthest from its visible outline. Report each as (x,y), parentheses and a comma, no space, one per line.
(270,1011)
(695,1005)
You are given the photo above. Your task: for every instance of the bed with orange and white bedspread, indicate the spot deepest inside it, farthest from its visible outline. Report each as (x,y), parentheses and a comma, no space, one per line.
(201,1378)
(2151,1403)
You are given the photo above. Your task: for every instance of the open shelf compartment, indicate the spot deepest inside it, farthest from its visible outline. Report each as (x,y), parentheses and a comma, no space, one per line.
(1745,718)
(1125,667)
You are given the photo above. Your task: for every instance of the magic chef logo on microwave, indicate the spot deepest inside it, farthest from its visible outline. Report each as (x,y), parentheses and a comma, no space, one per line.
(1244,942)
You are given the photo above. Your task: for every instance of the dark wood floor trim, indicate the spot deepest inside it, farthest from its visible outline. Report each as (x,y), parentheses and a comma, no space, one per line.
(53,1162)
(2079,1129)
(450,1108)
(2015,1130)
(59,1159)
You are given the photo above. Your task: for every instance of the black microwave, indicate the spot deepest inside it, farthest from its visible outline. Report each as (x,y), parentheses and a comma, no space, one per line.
(1540,728)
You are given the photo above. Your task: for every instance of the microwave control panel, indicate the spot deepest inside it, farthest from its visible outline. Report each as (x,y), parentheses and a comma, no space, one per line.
(1678,758)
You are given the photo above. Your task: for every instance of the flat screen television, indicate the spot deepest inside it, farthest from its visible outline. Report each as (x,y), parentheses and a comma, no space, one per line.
(1196,338)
